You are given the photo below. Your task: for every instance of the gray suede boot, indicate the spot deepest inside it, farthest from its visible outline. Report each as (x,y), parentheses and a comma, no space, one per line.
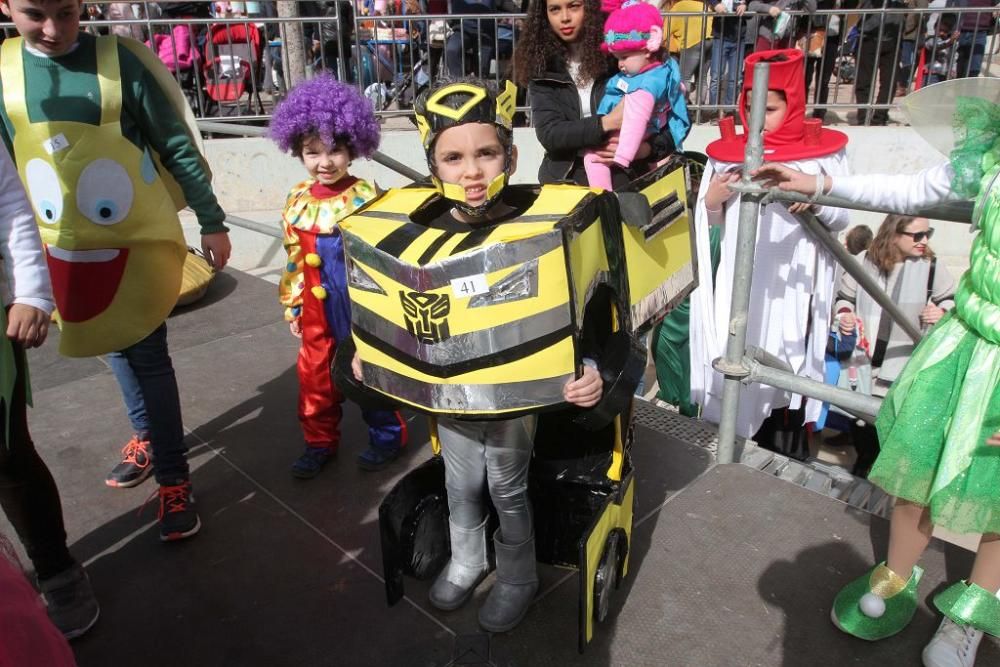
(467,567)
(515,587)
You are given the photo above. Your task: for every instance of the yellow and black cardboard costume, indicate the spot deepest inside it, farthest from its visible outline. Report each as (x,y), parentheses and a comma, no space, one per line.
(487,323)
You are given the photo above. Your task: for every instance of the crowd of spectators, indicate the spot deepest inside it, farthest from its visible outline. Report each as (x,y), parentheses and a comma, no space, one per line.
(870,54)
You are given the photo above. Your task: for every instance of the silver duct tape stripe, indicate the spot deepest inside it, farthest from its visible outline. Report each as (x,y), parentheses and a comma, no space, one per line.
(439,274)
(656,301)
(462,347)
(521,283)
(467,398)
(405,217)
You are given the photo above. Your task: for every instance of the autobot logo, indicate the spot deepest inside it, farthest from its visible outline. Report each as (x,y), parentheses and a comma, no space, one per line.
(426,315)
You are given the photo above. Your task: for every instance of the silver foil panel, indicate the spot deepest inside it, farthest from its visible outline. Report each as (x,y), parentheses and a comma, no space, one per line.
(521,283)
(461,347)
(664,298)
(468,398)
(439,274)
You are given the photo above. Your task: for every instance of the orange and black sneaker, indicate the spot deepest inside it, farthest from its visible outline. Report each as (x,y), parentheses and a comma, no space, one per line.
(136,464)
(178,515)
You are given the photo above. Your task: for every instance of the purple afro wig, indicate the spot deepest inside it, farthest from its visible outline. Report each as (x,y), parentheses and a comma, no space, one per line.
(629,25)
(335,111)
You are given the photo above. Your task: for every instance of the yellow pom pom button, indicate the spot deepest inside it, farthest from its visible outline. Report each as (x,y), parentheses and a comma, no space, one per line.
(313,260)
(319,292)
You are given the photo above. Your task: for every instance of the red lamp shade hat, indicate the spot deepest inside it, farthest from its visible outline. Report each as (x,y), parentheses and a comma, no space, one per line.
(798,138)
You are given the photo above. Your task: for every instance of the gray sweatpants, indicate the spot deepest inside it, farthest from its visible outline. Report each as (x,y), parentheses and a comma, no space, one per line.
(494,455)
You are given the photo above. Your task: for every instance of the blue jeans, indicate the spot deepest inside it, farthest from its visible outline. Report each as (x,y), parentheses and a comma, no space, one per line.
(727,61)
(146,376)
(971,49)
(907,58)
(128,383)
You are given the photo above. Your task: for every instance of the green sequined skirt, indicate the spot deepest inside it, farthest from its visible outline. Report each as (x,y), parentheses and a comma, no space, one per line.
(933,428)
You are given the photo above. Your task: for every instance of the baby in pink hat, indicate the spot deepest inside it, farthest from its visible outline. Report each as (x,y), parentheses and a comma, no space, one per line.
(649,86)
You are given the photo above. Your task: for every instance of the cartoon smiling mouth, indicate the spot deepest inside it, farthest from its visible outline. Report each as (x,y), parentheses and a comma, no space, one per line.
(90,276)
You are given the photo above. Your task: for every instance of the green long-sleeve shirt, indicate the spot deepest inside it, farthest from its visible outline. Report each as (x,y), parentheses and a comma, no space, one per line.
(66,89)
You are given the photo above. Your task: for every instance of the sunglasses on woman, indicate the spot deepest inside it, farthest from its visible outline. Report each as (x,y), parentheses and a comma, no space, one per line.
(920,236)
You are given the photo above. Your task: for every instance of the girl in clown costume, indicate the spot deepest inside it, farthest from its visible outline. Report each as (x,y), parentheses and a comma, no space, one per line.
(326,124)
(939,426)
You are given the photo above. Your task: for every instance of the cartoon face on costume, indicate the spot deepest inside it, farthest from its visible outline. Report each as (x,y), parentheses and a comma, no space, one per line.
(112,238)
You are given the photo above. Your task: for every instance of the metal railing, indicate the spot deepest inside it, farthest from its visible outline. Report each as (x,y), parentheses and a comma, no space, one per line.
(742,365)
(856,58)
(215,127)
(235,67)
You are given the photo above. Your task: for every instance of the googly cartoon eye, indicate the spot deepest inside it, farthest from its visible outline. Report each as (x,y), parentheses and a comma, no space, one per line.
(104,192)
(44,191)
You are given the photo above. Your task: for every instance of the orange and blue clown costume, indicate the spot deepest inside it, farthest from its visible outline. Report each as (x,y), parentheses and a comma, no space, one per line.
(313,290)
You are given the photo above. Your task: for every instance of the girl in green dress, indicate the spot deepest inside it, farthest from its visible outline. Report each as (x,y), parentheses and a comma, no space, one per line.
(939,426)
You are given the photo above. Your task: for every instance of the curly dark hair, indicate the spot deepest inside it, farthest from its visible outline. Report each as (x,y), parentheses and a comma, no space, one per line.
(538,44)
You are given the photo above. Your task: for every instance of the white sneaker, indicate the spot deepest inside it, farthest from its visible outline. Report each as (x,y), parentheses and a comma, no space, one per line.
(953,645)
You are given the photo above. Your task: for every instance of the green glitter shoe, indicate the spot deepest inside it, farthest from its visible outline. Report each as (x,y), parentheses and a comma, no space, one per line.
(877,605)
(969,604)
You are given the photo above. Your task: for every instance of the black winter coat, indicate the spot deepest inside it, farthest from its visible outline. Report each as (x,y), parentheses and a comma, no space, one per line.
(555,114)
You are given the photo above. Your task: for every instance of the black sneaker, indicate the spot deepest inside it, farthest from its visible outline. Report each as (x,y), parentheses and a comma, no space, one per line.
(178,515)
(135,467)
(70,601)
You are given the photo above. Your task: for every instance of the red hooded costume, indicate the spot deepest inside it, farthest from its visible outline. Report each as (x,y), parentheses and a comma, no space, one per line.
(798,138)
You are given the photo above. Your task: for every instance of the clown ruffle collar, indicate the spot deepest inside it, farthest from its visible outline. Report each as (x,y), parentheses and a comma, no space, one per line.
(320,215)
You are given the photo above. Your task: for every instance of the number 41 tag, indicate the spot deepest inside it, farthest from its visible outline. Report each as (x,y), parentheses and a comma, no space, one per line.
(469,286)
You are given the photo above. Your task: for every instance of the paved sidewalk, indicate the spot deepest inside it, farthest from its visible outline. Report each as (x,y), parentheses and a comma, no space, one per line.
(729,566)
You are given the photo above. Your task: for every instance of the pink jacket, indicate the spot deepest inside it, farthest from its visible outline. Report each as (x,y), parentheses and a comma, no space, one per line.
(27,636)
(187,52)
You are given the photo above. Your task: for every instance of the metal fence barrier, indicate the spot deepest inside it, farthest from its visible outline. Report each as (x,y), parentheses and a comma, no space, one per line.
(236,65)
(740,365)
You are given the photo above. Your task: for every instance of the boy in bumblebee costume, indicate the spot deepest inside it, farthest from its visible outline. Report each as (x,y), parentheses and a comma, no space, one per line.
(505,313)
(466,132)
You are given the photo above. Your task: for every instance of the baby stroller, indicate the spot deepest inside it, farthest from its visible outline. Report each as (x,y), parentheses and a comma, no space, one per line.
(393,59)
(403,87)
(846,65)
(233,56)
(178,50)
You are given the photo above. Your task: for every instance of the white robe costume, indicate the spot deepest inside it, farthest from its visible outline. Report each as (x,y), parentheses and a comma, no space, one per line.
(791,298)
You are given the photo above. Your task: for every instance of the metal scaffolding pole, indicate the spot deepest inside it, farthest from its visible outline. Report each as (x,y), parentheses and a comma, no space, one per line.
(742,365)
(746,238)
(860,405)
(952,211)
